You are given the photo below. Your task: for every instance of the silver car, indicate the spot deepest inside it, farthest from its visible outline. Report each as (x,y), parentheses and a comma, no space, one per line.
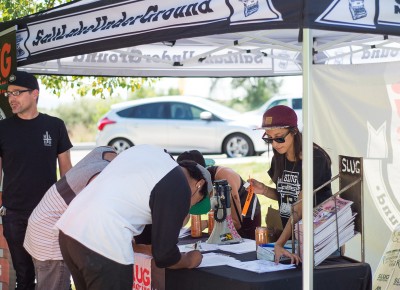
(180,123)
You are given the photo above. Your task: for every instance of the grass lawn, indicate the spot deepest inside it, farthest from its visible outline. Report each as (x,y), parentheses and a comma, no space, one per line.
(256,170)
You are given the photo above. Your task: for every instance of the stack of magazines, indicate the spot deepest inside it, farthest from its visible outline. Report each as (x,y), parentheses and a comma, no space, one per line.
(333,227)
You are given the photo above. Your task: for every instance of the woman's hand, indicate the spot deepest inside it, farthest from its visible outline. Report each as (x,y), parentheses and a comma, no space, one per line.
(258,186)
(281,251)
(261,188)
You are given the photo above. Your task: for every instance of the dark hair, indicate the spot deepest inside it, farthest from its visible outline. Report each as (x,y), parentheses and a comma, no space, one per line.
(195,173)
(280,158)
(298,148)
(193,155)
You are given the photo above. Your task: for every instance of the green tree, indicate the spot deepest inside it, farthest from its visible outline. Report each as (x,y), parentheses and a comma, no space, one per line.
(101,87)
(258,90)
(12,9)
(253,91)
(82,115)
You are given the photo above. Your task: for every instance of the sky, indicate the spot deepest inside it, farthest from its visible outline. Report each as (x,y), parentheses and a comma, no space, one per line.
(190,86)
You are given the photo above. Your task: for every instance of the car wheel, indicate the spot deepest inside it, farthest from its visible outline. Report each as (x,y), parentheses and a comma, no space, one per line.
(237,145)
(120,144)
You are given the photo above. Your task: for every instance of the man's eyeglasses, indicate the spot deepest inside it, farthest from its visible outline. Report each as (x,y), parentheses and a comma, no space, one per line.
(277,139)
(15,93)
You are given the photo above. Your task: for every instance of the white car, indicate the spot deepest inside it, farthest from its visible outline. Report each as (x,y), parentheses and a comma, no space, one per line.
(295,102)
(180,123)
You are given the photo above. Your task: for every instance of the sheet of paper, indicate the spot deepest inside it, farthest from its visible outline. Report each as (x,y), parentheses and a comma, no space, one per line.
(202,247)
(261,266)
(216,259)
(184,232)
(246,246)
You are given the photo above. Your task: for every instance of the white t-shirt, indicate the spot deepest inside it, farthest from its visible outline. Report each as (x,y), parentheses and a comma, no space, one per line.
(142,185)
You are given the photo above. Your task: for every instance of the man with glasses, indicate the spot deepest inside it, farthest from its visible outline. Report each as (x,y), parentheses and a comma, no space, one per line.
(31,143)
(281,131)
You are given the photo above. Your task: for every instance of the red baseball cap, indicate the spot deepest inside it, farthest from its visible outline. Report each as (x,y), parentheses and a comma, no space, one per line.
(279,117)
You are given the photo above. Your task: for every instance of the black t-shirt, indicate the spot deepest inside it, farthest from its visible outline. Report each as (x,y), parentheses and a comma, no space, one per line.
(29,151)
(289,183)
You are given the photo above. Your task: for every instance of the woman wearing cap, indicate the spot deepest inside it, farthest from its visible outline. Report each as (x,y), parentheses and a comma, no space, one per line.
(281,131)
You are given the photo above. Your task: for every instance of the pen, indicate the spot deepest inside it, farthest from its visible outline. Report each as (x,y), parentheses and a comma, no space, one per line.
(273,246)
(268,245)
(233,243)
(197,245)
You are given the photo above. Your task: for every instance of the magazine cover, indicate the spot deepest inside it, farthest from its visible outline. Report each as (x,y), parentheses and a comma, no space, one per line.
(333,227)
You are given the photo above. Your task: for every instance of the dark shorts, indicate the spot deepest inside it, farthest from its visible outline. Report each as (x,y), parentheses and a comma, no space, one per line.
(248,229)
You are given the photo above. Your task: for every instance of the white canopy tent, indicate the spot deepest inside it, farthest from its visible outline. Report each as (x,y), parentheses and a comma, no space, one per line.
(214,38)
(203,38)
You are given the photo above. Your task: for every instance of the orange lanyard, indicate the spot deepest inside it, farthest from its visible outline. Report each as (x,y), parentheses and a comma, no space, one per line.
(248,199)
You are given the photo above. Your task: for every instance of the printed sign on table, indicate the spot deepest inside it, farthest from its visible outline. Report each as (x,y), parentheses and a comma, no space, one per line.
(147,276)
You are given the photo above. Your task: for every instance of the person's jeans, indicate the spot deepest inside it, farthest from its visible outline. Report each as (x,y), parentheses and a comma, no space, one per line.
(52,275)
(14,228)
(91,271)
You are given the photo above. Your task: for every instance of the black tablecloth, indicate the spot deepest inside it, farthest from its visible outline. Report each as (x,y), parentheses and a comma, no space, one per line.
(341,273)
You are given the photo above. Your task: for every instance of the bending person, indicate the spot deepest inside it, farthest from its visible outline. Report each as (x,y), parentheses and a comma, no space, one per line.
(41,240)
(142,185)
(245,225)
(280,125)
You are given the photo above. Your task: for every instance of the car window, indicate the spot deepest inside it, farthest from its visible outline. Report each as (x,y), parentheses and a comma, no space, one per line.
(147,111)
(181,111)
(196,111)
(278,102)
(297,104)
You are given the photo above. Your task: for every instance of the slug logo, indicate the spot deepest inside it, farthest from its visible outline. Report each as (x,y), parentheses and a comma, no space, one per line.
(381,167)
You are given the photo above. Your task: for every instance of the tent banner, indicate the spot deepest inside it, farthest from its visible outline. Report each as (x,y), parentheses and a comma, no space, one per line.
(8,64)
(359,54)
(93,26)
(375,16)
(103,25)
(346,98)
(356,112)
(161,60)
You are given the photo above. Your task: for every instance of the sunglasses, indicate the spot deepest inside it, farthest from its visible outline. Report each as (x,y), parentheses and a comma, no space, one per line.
(277,139)
(15,93)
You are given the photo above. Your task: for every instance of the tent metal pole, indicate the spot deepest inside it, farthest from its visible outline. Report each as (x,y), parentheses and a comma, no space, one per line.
(307,214)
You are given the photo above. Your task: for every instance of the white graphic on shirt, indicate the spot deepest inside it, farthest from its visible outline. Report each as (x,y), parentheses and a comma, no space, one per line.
(47,139)
(288,187)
